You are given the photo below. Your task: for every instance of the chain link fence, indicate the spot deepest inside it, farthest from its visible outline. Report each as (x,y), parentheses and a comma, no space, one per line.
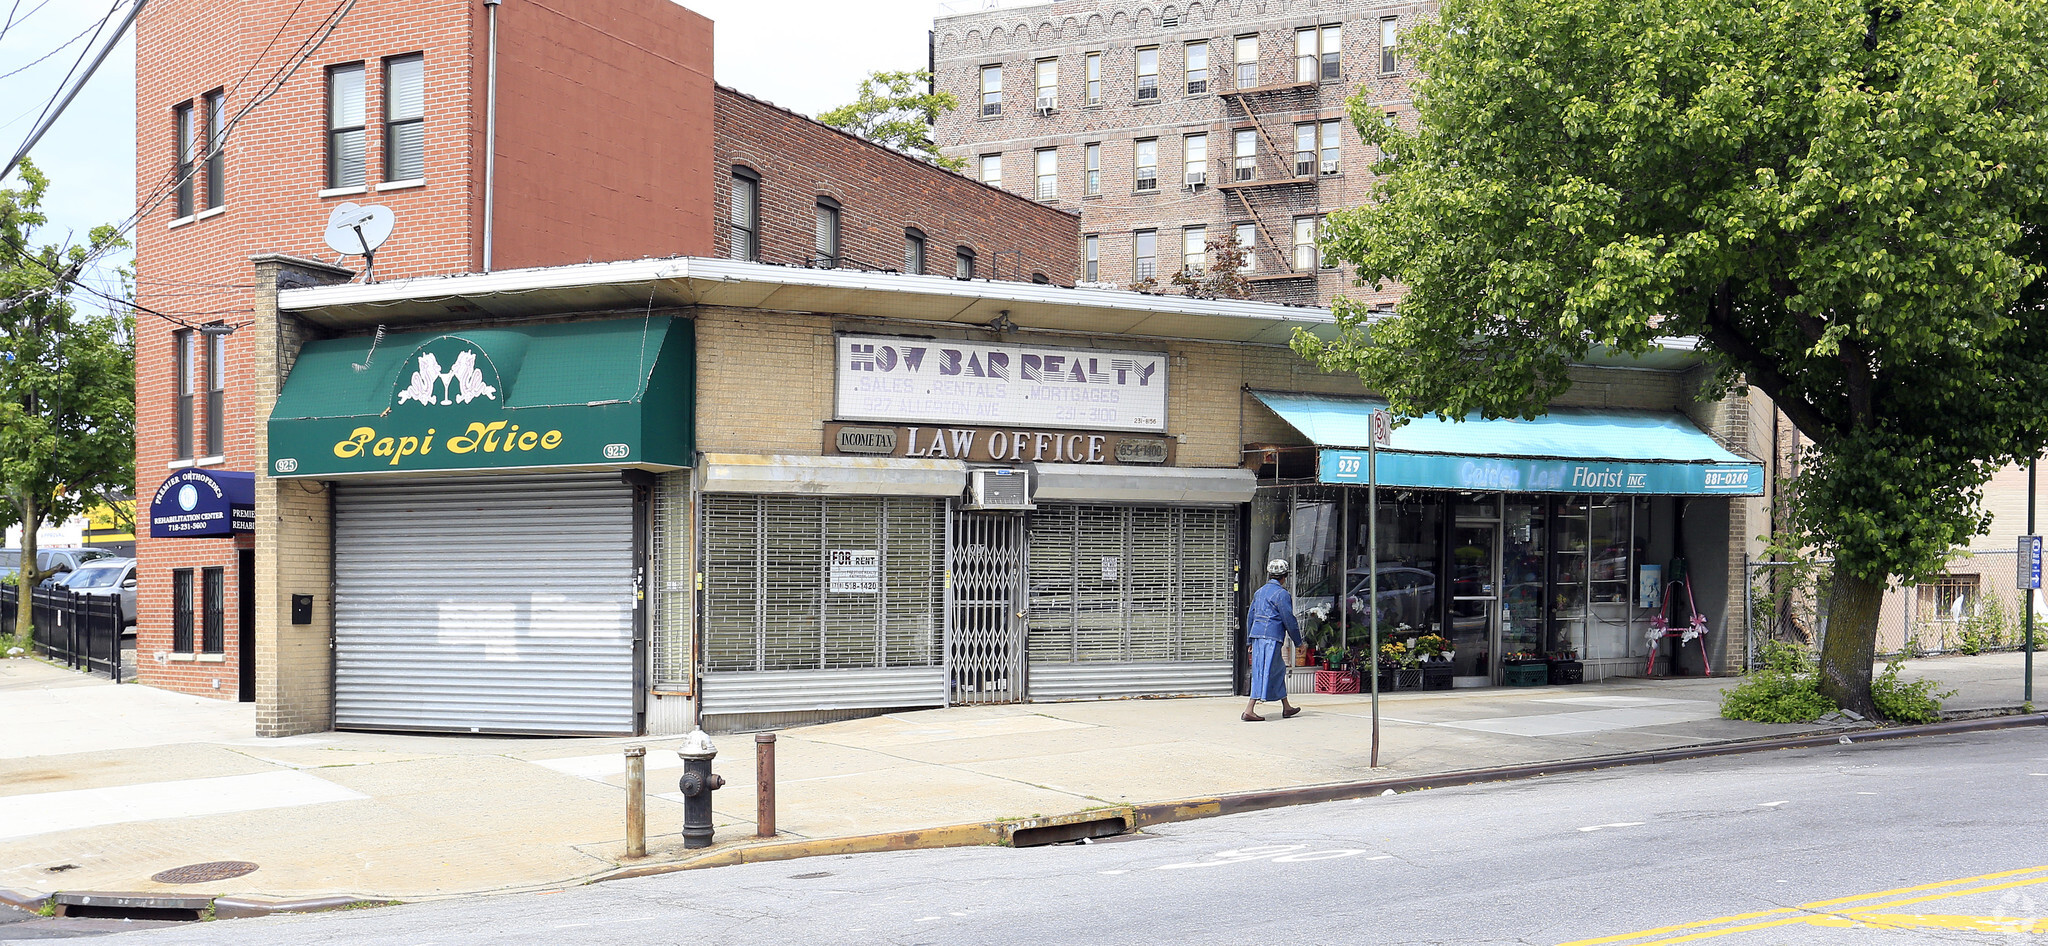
(1974,607)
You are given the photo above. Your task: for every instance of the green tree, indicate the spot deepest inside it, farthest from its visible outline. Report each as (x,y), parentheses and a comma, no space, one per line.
(67,381)
(1845,200)
(896,110)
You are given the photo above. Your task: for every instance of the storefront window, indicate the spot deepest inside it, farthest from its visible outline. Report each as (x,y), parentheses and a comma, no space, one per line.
(1524,537)
(1410,549)
(1313,540)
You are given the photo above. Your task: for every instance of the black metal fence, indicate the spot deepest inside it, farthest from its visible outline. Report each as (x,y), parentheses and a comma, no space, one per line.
(82,630)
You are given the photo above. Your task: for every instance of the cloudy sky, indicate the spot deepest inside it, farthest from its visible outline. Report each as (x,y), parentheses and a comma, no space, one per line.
(808,55)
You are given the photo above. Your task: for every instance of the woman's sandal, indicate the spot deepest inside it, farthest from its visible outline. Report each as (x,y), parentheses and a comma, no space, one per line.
(1249,718)
(1290,711)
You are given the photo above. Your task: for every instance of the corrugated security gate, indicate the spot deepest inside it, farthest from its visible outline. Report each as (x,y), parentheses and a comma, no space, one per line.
(822,602)
(1131,601)
(485,604)
(986,646)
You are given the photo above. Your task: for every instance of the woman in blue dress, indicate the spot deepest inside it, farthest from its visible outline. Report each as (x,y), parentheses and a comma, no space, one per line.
(1271,620)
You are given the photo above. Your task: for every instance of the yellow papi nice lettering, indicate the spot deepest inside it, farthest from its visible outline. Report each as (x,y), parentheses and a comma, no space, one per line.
(493,437)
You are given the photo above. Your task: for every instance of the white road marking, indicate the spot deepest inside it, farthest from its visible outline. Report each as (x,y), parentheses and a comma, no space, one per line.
(1866,793)
(1618,824)
(1769,804)
(597,768)
(1381,857)
(1112,872)
(154,801)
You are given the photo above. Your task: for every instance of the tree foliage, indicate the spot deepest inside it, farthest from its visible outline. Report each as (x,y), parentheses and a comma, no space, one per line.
(1223,278)
(1845,200)
(896,110)
(67,379)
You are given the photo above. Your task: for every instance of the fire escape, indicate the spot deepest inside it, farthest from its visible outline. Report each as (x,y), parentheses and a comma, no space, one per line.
(1282,180)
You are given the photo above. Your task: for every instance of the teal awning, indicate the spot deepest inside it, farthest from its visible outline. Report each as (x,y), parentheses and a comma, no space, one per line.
(1569,450)
(578,395)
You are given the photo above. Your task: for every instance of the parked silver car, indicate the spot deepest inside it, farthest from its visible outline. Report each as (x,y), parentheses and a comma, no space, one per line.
(113,577)
(62,560)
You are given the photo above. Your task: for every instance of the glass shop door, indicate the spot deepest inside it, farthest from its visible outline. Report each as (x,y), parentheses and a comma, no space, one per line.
(1475,597)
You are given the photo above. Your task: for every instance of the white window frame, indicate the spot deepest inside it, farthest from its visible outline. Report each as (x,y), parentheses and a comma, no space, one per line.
(1091,257)
(1046,165)
(1194,158)
(1247,237)
(1197,76)
(1245,154)
(1331,151)
(1147,75)
(991,91)
(1092,72)
(1306,257)
(992,161)
(1194,249)
(1145,164)
(1091,161)
(1143,265)
(1247,65)
(1390,43)
(1047,74)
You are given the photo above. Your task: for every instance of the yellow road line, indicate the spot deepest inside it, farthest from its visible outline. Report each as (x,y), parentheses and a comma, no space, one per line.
(1805,909)
(1922,921)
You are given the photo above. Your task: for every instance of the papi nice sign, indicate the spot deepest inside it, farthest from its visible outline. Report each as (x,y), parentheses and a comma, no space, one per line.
(889,378)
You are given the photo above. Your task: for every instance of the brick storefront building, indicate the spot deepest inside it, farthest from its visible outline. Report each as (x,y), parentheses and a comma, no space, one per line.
(611,142)
(1167,127)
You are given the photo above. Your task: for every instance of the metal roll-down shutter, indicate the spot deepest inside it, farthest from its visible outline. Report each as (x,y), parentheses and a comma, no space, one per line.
(485,604)
(1131,601)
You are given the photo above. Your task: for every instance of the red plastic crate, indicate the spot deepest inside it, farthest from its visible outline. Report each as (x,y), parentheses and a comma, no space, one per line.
(1336,681)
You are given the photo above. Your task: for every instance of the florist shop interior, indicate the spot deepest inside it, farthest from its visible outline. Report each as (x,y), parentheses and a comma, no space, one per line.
(1537,579)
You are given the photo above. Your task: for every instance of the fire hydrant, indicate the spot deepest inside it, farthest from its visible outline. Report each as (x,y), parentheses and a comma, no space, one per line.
(697,784)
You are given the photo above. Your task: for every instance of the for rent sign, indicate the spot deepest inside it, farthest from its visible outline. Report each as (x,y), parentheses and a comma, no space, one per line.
(891,378)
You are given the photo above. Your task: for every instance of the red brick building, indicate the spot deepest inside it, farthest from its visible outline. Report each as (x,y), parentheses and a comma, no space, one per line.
(500,136)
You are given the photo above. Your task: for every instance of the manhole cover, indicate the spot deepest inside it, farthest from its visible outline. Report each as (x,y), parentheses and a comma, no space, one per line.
(201,873)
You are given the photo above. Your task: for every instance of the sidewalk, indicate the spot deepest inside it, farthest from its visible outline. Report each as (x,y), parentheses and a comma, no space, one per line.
(104,786)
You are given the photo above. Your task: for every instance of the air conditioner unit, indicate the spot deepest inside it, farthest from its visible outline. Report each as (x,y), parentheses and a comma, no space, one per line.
(998,489)
(1330,166)
(1046,104)
(1197,179)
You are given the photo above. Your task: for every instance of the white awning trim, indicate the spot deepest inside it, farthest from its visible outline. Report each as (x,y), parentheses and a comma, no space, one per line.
(1073,482)
(864,476)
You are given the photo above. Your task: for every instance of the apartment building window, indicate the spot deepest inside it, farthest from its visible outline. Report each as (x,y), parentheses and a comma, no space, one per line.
(1047,161)
(1318,52)
(1195,150)
(184,352)
(1244,162)
(1390,40)
(1147,164)
(212,605)
(743,219)
(991,90)
(216,140)
(1304,149)
(825,235)
(181,610)
(345,117)
(1048,84)
(1332,143)
(992,170)
(183,144)
(1248,61)
(1194,246)
(913,250)
(1305,257)
(1198,67)
(216,393)
(1145,254)
(1148,74)
(1093,64)
(1091,257)
(963,263)
(1092,165)
(1248,242)
(405,118)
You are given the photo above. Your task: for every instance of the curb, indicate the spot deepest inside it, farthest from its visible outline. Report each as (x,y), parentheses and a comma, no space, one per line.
(990,833)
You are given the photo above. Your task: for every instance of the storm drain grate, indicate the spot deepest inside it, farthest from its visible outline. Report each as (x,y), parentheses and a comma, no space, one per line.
(202,873)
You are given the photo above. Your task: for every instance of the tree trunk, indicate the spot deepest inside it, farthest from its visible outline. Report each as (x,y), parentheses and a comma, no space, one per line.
(1845,656)
(28,576)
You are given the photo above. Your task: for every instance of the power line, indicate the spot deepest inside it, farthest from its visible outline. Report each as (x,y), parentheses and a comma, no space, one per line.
(11,19)
(60,48)
(55,109)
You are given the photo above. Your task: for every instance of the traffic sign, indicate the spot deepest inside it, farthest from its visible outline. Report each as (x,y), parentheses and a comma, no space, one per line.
(2030,561)
(1382,428)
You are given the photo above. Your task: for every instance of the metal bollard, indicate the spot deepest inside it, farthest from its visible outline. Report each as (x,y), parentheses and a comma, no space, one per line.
(697,784)
(764,784)
(636,801)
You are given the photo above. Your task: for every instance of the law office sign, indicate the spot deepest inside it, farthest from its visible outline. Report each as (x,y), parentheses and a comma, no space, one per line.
(917,380)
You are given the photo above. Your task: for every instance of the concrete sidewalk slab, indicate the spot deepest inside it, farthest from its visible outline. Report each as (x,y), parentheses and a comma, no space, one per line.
(423,816)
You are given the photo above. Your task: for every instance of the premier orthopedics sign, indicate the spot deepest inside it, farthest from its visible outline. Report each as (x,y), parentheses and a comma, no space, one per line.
(195,504)
(890,378)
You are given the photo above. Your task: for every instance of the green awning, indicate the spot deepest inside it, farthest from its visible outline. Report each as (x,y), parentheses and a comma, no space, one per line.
(580,395)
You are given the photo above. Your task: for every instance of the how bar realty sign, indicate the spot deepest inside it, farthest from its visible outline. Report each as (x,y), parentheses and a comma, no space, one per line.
(891,378)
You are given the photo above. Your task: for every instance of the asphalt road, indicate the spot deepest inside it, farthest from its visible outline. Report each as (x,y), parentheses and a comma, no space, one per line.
(1932,840)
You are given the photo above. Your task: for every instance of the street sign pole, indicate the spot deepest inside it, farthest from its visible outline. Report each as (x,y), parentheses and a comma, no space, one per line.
(1381,430)
(2027,640)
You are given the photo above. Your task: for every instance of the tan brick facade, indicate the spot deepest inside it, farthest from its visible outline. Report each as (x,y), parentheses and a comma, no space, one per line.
(1272,196)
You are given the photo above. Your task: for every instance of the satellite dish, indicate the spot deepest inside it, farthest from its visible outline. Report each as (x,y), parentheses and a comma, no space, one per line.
(356,230)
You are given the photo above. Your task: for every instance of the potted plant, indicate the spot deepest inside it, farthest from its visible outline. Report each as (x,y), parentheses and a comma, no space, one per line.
(1393,657)
(1565,666)
(1436,653)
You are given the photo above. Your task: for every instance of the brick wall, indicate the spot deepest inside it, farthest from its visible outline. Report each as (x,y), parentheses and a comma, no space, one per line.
(1067,32)
(881,193)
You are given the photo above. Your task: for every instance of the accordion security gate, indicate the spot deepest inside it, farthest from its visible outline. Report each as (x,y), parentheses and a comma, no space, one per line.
(986,646)
(1131,601)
